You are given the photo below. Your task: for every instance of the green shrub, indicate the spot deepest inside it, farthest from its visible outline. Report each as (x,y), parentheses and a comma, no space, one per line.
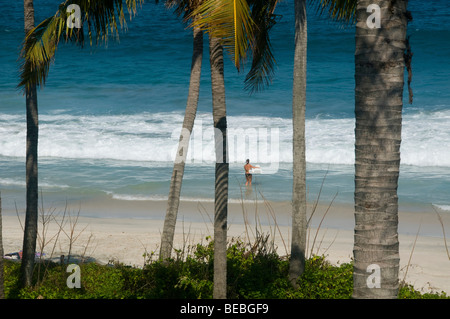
(251,273)
(321,280)
(407,291)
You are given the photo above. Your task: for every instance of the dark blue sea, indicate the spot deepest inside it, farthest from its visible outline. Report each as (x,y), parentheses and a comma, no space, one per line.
(110,117)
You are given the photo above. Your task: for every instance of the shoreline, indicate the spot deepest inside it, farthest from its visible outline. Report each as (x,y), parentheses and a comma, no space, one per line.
(125,239)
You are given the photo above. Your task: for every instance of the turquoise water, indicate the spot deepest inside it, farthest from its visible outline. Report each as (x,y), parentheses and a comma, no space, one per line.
(110,117)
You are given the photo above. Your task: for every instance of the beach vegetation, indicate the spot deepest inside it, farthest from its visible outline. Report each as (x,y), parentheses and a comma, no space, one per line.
(252,274)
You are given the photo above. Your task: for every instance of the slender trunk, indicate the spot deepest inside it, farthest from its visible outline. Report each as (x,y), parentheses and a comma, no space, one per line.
(298,246)
(379,79)
(2,272)
(180,157)
(31,218)
(221,175)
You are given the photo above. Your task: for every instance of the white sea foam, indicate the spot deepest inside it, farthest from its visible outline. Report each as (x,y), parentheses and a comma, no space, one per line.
(22,183)
(154,137)
(442,207)
(126,197)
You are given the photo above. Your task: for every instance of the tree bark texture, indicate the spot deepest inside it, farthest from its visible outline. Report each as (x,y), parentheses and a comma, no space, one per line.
(31,217)
(221,171)
(298,243)
(183,145)
(379,79)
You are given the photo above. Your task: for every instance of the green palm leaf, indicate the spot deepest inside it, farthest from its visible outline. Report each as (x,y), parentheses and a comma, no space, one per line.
(340,10)
(231,22)
(103,19)
(263,61)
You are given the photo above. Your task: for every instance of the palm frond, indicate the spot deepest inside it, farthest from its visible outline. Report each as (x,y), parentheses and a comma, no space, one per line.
(339,10)
(263,61)
(231,22)
(183,8)
(103,19)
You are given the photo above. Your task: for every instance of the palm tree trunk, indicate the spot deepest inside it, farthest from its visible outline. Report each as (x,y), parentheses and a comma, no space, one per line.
(31,218)
(379,79)
(221,177)
(298,245)
(180,159)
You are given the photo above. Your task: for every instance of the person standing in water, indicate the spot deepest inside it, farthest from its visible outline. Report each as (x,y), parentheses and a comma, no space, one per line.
(248,175)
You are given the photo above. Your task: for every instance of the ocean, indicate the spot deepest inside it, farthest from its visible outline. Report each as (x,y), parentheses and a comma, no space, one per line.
(110,117)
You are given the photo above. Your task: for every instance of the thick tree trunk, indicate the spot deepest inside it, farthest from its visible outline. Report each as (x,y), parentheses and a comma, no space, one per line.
(379,78)
(221,182)
(31,218)
(180,157)
(298,245)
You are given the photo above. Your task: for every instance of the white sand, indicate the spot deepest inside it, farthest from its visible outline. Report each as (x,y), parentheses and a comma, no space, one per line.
(126,240)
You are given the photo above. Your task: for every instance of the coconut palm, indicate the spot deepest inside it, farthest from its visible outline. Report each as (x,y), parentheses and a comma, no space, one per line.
(37,53)
(185,8)
(299,224)
(380,58)
(342,10)
(379,82)
(221,170)
(31,167)
(220,18)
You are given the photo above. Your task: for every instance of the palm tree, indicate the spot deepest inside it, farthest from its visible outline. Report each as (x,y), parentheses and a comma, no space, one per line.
(342,10)
(379,79)
(167,236)
(299,225)
(37,53)
(222,168)
(31,217)
(220,18)
(380,58)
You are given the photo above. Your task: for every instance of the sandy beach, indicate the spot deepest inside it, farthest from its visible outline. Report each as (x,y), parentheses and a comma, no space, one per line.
(126,240)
